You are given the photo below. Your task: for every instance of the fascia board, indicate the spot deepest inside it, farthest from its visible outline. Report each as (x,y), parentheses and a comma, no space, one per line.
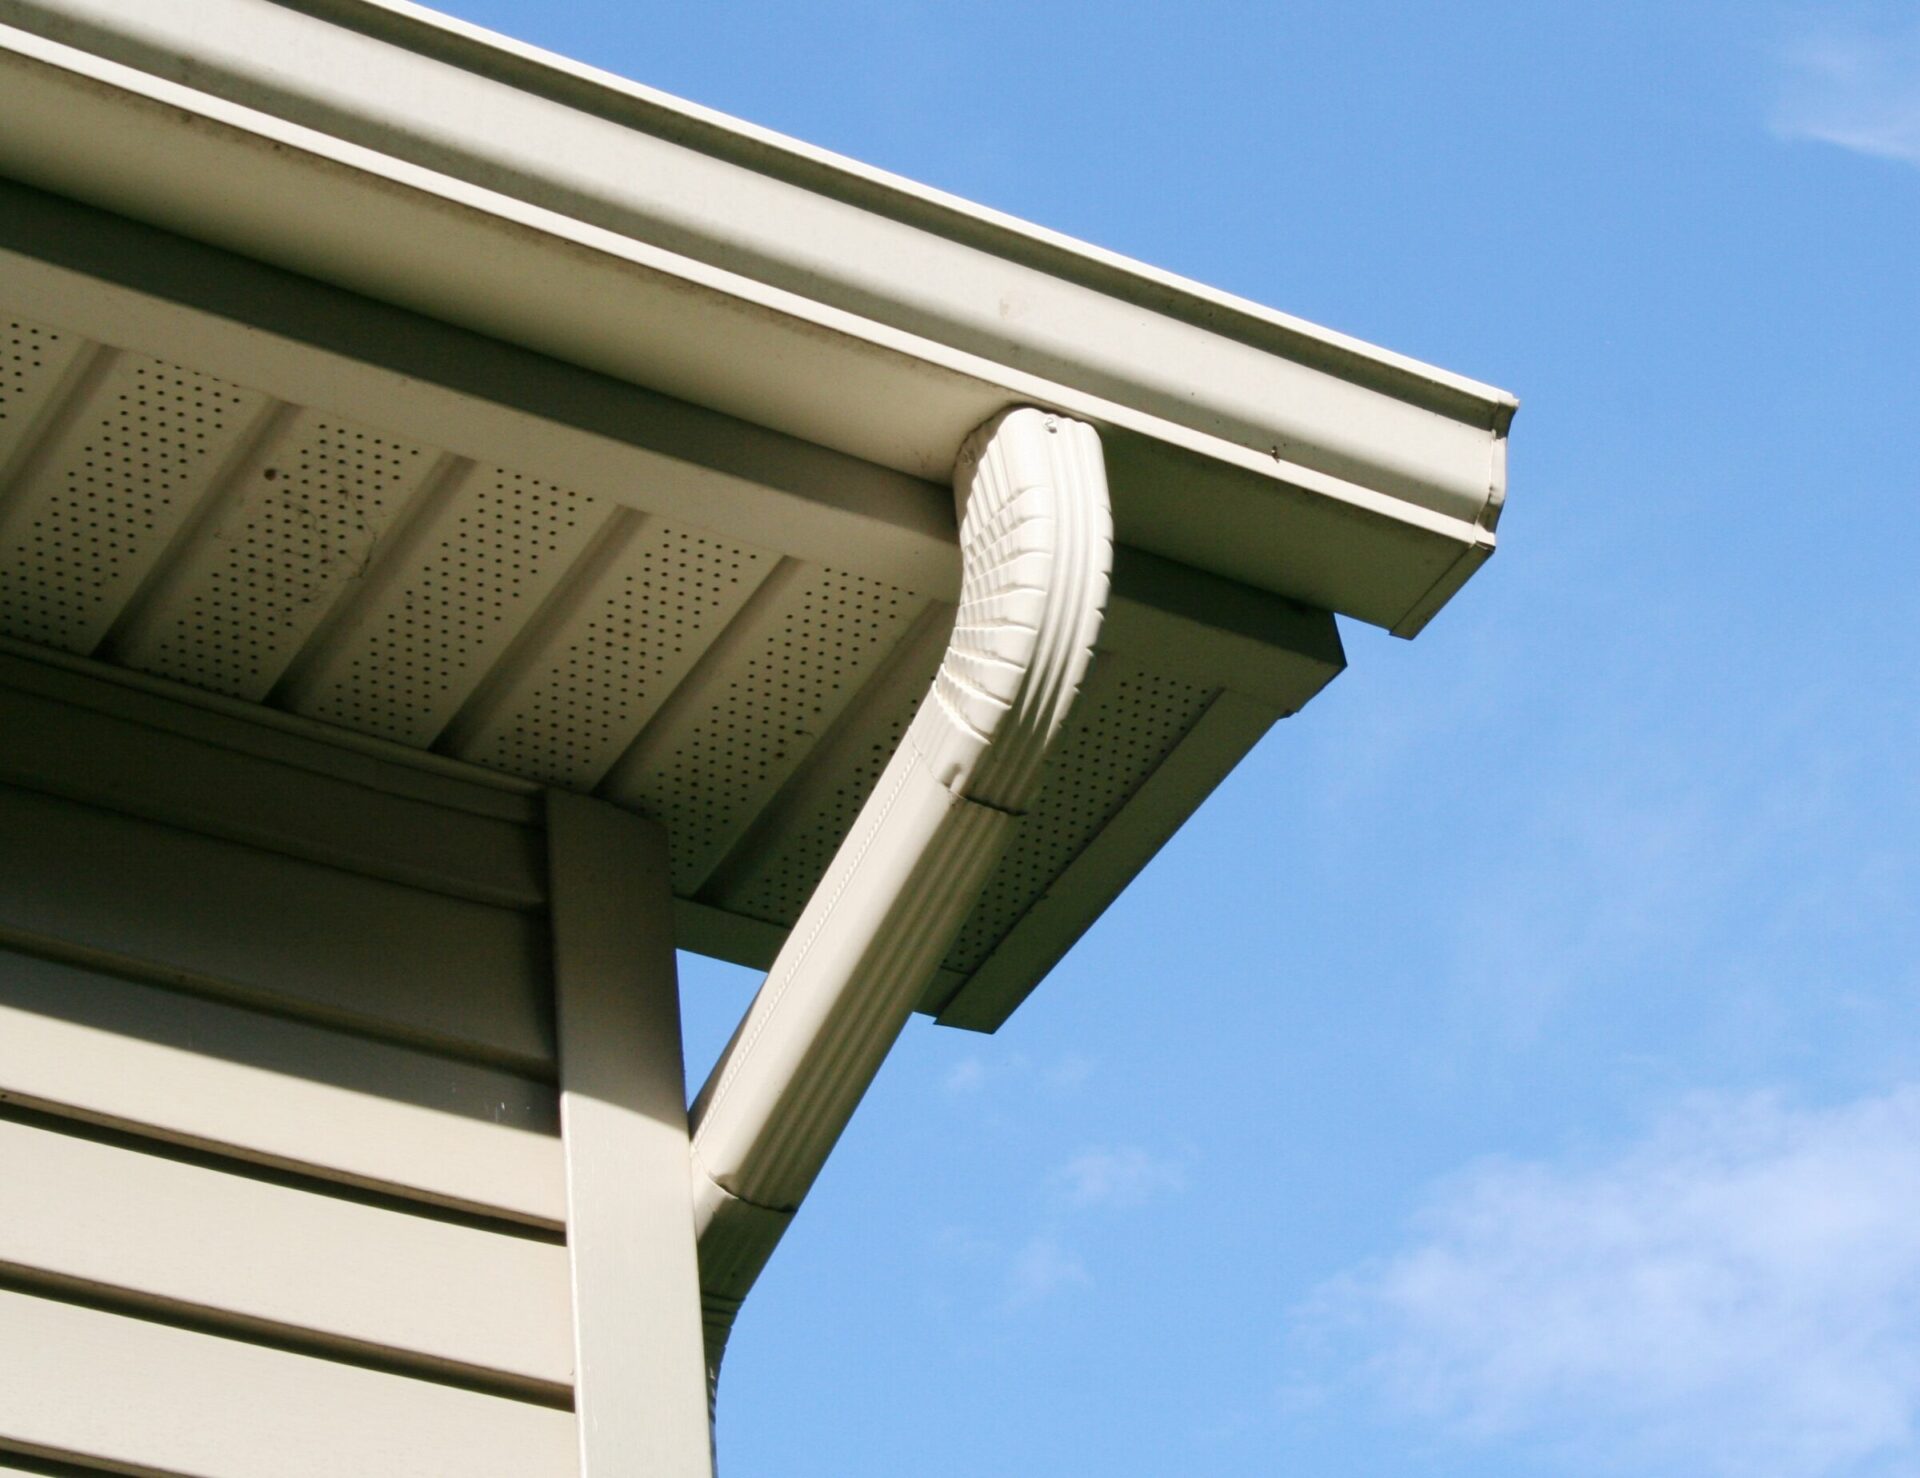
(1218,634)
(428,240)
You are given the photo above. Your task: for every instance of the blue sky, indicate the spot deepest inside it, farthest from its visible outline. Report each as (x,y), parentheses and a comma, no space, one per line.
(1515,1068)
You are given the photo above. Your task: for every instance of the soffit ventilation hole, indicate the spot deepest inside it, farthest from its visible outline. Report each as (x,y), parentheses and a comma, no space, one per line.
(111,498)
(30,356)
(788,687)
(1105,753)
(298,532)
(618,662)
(424,650)
(780,885)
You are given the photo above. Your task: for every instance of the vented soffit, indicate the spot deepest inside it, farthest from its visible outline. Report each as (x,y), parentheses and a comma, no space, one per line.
(247,491)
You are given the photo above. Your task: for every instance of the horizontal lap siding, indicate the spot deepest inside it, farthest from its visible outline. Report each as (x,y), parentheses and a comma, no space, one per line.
(132,1394)
(296,1261)
(104,759)
(459,976)
(236,996)
(201,1073)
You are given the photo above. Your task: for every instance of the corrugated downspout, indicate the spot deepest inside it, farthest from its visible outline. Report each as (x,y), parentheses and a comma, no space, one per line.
(1036,543)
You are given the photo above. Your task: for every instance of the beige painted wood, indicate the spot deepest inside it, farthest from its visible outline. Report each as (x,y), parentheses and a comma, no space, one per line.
(103,1214)
(105,760)
(282,1092)
(320,941)
(641,1375)
(110,1389)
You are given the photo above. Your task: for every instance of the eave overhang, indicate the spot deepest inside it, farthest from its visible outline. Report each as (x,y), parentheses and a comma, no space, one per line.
(428,164)
(351,220)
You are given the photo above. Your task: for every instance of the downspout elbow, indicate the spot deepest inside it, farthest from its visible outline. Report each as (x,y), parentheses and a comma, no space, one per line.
(1036,535)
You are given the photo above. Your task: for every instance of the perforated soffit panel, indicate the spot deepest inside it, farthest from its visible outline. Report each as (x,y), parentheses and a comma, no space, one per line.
(161,519)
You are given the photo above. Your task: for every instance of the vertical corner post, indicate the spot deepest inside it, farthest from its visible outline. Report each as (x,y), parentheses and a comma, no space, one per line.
(640,1389)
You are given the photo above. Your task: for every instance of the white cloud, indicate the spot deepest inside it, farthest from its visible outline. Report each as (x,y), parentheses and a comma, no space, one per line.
(965,1076)
(1854,91)
(1046,1261)
(1042,1267)
(1126,1176)
(1737,1294)
(1017,1072)
(963,1245)
(1069,1073)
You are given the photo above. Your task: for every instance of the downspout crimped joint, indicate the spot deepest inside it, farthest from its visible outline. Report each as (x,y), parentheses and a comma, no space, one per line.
(1036,546)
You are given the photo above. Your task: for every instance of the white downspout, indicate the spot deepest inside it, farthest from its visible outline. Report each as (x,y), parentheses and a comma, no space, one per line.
(1036,544)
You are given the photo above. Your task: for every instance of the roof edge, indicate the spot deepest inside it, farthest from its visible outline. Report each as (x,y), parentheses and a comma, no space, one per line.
(766,151)
(1341,495)
(401,81)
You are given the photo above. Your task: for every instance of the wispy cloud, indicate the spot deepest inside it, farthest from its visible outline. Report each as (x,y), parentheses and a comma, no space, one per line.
(1112,1178)
(1739,1293)
(1065,1074)
(1040,1263)
(967,1075)
(1123,1176)
(1854,90)
(1042,1267)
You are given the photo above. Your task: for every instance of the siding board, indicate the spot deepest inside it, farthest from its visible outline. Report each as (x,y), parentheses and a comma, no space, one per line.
(336,1271)
(318,941)
(132,1393)
(267,733)
(283,1092)
(103,760)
